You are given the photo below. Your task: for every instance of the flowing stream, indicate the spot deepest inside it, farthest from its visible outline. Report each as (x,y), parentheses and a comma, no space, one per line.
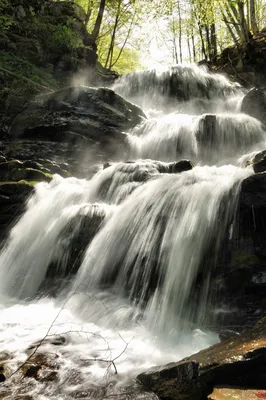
(135,300)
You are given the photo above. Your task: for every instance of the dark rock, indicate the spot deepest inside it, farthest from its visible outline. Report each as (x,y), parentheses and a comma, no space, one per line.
(253,191)
(227,334)
(50,376)
(175,381)
(254,104)
(76,236)
(5,355)
(259,162)
(32,371)
(180,166)
(55,340)
(207,130)
(239,280)
(15,189)
(12,201)
(78,117)
(239,361)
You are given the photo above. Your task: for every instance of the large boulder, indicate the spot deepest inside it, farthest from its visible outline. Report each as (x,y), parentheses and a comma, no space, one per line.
(80,126)
(240,279)
(254,104)
(78,115)
(239,361)
(12,203)
(74,239)
(258,162)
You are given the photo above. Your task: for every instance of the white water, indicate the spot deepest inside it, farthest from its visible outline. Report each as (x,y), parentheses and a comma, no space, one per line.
(135,292)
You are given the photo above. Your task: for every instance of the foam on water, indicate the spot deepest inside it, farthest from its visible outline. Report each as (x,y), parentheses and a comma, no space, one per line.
(208,138)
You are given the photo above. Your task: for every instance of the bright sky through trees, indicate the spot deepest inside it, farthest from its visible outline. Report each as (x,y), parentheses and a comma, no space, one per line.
(132,34)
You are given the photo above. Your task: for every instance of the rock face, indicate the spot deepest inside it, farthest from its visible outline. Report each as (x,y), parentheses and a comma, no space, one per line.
(239,361)
(77,119)
(75,238)
(259,162)
(12,203)
(240,280)
(254,104)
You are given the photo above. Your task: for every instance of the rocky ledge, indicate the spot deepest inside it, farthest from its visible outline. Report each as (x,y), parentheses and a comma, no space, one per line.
(75,125)
(239,361)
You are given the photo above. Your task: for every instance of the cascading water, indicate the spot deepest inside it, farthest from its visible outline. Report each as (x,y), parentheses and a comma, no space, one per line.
(136,297)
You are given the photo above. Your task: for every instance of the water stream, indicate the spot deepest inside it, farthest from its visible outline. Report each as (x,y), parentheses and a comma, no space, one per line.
(135,298)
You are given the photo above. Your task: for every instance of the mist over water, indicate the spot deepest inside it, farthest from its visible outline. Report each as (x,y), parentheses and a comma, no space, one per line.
(135,296)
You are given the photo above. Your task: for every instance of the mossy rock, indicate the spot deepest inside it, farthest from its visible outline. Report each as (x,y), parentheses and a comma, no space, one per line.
(28,174)
(32,174)
(244,259)
(20,188)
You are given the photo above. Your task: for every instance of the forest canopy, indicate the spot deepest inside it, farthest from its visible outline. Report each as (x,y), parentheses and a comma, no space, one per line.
(131,34)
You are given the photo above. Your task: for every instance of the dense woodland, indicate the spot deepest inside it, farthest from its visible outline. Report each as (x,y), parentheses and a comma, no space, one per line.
(126,30)
(190,30)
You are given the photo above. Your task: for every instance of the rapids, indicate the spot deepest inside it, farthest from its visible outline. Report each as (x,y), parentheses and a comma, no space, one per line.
(134,299)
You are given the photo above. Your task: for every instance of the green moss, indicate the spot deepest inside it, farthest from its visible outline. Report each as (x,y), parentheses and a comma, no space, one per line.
(242,258)
(48,175)
(25,182)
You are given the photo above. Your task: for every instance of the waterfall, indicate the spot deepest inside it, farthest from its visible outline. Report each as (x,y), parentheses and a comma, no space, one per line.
(188,88)
(150,237)
(208,138)
(166,226)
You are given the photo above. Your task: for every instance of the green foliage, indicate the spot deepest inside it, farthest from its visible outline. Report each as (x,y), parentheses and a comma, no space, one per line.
(128,61)
(26,69)
(6,18)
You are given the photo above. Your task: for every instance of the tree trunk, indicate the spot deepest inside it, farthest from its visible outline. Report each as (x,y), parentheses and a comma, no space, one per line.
(111,47)
(232,21)
(209,47)
(243,24)
(97,26)
(193,46)
(180,31)
(203,49)
(248,14)
(125,41)
(189,49)
(213,42)
(88,13)
(253,20)
(230,30)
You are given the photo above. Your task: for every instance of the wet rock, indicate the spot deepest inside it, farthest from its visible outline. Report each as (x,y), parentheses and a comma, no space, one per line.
(78,114)
(239,281)
(226,334)
(56,340)
(180,166)
(259,162)
(237,394)
(5,355)
(239,361)
(206,134)
(2,375)
(49,376)
(32,371)
(175,381)
(15,190)
(12,201)
(254,104)
(75,238)
(253,191)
